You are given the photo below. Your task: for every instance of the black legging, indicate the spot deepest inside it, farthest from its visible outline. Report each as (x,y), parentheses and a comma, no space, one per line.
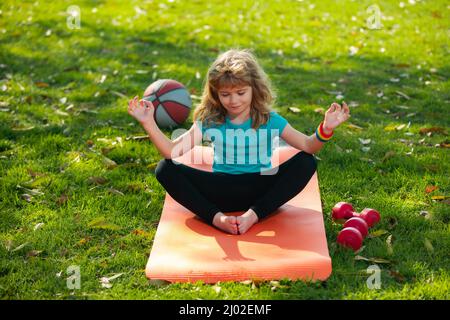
(207,193)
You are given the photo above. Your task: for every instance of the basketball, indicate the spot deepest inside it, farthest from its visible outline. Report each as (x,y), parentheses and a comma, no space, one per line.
(171,100)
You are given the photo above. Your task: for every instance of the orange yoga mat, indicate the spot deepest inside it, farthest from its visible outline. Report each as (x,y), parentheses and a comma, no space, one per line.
(289,244)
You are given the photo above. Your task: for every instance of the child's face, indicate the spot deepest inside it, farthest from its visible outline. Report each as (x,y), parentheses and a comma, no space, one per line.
(236,100)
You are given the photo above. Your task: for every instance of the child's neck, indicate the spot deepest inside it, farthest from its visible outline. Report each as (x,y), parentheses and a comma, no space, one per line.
(239,118)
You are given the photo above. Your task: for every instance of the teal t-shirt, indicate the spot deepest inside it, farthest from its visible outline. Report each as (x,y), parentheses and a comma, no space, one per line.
(238,148)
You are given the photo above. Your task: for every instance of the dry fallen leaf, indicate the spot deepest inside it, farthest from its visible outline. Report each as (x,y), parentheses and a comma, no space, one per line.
(397,276)
(115,191)
(34,174)
(138,138)
(256,283)
(106,150)
(41,84)
(375,260)
(354,126)
(439,198)
(390,127)
(388,155)
(84,240)
(101,223)
(97,180)
(119,94)
(275,284)
(430,189)
(105,281)
(62,199)
(8,245)
(158,282)
(403,95)
(27,197)
(402,65)
(120,141)
(294,109)
(33,192)
(428,245)
(433,129)
(20,247)
(102,79)
(140,232)
(390,250)
(364,141)
(33,253)
(110,164)
(38,226)
(152,166)
(320,110)
(425,214)
(377,233)
(358,257)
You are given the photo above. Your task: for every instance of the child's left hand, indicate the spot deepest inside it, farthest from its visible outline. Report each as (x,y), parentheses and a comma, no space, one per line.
(335,115)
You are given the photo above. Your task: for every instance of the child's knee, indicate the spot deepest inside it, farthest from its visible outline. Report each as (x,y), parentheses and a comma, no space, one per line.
(306,161)
(163,168)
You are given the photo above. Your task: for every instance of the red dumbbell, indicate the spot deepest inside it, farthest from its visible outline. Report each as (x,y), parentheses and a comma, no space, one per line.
(371,216)
(344,211)
(354,231)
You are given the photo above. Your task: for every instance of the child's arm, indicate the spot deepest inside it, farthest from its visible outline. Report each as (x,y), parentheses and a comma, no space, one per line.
(143,112)
(334,116)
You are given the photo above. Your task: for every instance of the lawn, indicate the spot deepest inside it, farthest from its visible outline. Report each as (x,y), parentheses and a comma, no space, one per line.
(77,187)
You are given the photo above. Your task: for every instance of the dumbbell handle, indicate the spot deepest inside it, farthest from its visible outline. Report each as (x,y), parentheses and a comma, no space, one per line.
(343,210)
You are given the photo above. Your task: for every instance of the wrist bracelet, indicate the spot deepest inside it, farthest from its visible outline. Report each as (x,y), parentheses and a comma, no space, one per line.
(321,135)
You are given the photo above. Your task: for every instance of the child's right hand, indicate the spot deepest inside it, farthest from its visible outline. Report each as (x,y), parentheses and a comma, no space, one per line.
(141,110)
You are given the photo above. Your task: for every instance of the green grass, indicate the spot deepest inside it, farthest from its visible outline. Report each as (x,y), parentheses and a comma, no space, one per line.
(304,47)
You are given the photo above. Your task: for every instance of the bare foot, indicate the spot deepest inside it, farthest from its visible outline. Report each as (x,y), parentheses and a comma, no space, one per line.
(225,223)
(246,220)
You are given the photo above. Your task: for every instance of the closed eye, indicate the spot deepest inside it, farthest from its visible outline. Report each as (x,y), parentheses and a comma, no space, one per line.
(226,94)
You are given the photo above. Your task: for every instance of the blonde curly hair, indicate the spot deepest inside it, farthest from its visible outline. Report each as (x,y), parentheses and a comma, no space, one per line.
(235,68)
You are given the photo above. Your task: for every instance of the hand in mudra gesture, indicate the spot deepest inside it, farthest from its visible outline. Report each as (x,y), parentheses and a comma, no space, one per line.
(141,110)
(336,115)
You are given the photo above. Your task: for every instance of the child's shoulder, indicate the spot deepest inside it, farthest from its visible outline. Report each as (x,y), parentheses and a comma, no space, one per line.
(274,113)
(275,116)
(276,120)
